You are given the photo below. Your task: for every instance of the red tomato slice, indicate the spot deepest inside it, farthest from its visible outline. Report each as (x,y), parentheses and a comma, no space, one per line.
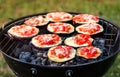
(29,32)
(81,38)
(60,27)
(24,30)
(88,51)
(83,51)
(85,18)
(90,28)
(48,39)
(35,21)
(61,51)
(59,16)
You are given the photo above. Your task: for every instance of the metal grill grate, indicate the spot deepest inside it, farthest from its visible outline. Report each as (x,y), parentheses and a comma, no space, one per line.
(108,37)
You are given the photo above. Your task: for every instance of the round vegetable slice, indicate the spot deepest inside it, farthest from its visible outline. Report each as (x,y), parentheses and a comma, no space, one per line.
(61,53)
(89,52)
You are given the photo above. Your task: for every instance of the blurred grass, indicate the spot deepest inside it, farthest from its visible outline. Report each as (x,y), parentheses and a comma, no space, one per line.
(108,9)
(16,8)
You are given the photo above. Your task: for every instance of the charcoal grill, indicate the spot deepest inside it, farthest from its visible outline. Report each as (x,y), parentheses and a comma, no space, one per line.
(107,41)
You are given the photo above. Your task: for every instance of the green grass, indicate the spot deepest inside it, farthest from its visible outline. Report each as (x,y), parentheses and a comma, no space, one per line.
(108,9)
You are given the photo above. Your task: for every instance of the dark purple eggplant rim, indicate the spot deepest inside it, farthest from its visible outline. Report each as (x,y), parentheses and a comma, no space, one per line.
(45,66)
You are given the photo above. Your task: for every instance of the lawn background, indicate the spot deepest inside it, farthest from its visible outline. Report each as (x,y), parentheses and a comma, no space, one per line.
(108,9)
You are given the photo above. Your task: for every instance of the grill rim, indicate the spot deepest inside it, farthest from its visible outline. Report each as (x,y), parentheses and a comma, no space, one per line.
(74,13)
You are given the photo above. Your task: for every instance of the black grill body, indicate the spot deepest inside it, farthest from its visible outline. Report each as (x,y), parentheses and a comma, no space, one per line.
(97,68)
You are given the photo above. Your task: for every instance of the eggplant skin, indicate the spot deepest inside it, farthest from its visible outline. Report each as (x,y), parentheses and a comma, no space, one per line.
(11,36)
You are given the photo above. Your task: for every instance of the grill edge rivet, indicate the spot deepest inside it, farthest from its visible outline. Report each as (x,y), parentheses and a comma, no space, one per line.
(69,73)
(33,71)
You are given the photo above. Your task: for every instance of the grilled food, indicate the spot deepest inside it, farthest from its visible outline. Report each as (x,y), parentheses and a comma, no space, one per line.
(36,21)
(60,28)
(89,52)
(79,40)
(23,31)
(61,53)
(90,28)
(46,40)
(85,18)
(59,16)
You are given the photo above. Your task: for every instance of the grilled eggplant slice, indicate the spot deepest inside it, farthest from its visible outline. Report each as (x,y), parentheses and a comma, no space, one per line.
(61,53)
(89,52)
(85,18)
(59,16)
(22,31)
(90,28)
(79,40)
(46,40)
(36,21)
(60,28)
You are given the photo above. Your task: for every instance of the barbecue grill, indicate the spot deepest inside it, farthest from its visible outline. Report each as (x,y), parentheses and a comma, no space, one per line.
(38,65)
